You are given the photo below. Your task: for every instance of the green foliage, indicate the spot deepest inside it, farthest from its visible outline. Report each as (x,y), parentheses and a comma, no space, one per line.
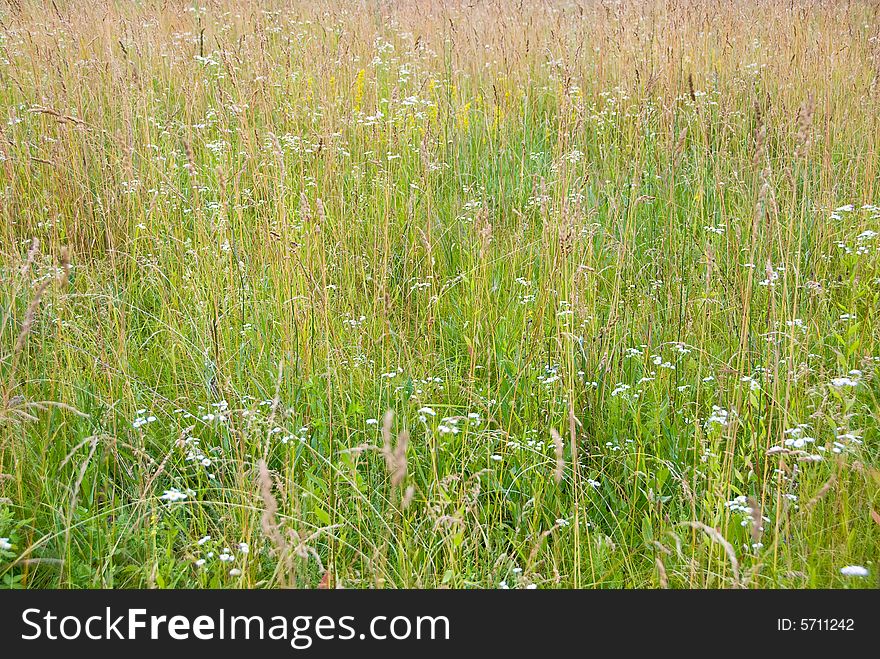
(650,228)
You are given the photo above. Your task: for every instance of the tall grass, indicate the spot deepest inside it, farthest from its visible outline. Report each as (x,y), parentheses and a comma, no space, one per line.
(409,294)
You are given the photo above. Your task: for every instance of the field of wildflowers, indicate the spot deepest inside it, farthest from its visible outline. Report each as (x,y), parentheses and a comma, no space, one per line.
(478,293)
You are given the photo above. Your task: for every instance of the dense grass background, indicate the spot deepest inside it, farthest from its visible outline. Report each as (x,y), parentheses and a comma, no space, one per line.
(613,267)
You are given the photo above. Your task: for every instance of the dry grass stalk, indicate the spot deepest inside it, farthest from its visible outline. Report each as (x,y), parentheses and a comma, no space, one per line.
(766,197)
(678,151)
(559,448)
(537,546)
(31,256)
(757,526)
(322,215)
(826,487)
(805,125)
(760,137)
(305,210)
(395,457)
(484,231)
(26,327)
(408,496)
(661,572)
(715,535)
(268,521)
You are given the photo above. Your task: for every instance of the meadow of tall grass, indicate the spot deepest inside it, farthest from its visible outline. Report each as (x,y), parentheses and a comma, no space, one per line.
(482,293)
